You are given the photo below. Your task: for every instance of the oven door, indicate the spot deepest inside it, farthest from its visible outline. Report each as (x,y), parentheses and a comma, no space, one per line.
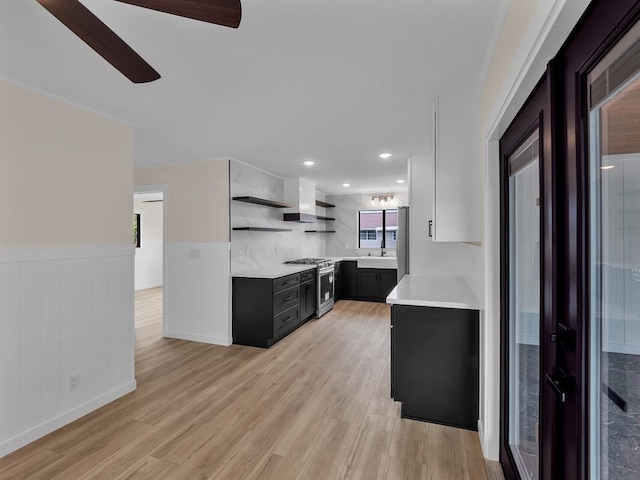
(326,284)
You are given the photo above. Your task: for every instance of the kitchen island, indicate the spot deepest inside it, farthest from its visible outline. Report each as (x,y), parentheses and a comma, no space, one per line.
(435,350)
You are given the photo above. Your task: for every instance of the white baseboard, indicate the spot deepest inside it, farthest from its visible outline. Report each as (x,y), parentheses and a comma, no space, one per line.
(225,342)
(63,419)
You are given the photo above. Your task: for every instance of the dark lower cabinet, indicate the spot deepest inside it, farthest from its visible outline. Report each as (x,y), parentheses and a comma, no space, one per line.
(388,281)
(266,310)
(368,284)
(375,284)
(435,356)
(349,270)
(337,286)
(308,299)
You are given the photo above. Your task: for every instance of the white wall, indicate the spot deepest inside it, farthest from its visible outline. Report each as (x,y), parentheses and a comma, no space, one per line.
(344,243)
(197,291)
(149,257)
(66,266)
(257,249)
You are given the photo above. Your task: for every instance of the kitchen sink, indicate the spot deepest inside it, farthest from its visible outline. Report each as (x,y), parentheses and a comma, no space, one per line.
(377,262)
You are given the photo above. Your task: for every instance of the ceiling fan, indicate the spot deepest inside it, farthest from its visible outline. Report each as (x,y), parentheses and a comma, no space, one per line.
(79,19)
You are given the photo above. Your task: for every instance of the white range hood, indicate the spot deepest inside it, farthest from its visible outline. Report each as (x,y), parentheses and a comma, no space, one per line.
(301,194)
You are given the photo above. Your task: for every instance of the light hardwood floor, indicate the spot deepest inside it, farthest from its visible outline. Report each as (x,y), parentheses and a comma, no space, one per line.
(314,406)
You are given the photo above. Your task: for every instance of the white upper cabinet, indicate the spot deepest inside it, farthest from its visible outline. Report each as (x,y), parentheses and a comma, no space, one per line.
(457,172)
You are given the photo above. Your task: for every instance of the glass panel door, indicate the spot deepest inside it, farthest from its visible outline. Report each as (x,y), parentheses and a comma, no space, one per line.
(524,307)
(615,263)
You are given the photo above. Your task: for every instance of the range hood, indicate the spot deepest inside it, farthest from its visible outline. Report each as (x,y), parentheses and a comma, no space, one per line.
(301,194)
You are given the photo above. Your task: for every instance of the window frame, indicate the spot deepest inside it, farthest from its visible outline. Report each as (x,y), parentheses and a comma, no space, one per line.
(384,227)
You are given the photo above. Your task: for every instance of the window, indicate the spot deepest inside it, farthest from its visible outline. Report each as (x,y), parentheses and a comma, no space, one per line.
(377,228)
(367,234)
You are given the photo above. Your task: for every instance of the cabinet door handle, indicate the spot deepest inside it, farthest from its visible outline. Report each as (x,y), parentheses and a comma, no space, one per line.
(290,297)
(288,319)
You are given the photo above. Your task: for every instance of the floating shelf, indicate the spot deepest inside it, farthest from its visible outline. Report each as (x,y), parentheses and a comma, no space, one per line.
(262,229)
(262,201)
(320,203)
(319,231)
(324,218)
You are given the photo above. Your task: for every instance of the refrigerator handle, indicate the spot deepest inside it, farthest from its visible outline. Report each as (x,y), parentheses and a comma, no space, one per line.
(430,228)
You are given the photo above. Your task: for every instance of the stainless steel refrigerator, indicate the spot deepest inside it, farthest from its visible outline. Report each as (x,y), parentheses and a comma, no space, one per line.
(402,247)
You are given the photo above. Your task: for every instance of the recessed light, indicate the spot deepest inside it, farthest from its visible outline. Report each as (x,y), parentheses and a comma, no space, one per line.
(346,184)
(400,180)
(607,167)
(385,155)
(308,163)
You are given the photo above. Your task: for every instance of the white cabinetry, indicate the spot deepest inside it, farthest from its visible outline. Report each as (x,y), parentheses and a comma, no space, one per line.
(457,172)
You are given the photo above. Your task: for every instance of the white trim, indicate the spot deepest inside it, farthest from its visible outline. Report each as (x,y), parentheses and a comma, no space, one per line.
(45,254)
(225,342)
(63,419)
(59,98)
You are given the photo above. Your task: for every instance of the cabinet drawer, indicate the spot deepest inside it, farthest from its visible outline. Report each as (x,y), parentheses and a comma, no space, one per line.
(285,299)
(286,282)
(285,319)
(306,276)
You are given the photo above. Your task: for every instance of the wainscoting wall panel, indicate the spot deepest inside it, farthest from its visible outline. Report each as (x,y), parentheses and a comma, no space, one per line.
(63,312)
(197,292)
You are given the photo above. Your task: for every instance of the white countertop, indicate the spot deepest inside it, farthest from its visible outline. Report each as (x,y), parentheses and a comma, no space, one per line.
(427,291)
(273,271)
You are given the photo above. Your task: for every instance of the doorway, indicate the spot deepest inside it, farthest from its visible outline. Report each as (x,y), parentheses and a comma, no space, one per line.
(149,239)
(570,291)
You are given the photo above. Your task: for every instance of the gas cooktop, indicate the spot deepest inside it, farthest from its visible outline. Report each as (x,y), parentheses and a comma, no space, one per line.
(308,261)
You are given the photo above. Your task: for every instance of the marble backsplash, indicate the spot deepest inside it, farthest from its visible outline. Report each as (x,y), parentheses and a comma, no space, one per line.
(250,250)
(344,243)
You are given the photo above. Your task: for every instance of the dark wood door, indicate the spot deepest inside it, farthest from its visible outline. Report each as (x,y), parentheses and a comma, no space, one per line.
(586,117)
(529,442)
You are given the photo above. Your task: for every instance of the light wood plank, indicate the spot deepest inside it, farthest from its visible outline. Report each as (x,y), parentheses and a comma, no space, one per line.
(315,406)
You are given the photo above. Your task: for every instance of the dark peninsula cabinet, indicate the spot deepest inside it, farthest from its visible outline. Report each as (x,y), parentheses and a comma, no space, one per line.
(434,364)
(266,310)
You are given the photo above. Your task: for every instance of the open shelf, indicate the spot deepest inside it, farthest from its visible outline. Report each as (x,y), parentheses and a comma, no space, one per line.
(261,229)
(319,231)
(320,203)
(262,201)
(324,218)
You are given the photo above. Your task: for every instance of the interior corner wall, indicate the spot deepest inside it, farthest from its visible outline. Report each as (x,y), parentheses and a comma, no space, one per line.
(149,256)
(66,265)
(197,284)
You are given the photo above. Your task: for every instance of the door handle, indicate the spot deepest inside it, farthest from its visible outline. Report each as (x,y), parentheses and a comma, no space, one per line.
(560,384)
(565,336)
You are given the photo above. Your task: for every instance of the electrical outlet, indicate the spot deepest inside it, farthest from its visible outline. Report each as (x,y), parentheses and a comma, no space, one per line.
(74,382)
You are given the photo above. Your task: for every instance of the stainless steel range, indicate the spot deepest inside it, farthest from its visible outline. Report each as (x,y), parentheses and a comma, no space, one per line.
(325,269)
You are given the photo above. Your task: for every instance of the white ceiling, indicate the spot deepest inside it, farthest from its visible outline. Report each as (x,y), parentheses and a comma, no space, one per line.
(336,81)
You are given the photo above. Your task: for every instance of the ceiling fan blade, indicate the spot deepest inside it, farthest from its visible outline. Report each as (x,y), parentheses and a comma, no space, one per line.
(75,16)
(221,12)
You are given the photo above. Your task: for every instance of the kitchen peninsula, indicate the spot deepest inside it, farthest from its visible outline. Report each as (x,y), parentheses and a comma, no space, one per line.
(435,350)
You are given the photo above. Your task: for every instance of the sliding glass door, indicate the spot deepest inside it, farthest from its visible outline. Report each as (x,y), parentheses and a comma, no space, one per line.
(614,263)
